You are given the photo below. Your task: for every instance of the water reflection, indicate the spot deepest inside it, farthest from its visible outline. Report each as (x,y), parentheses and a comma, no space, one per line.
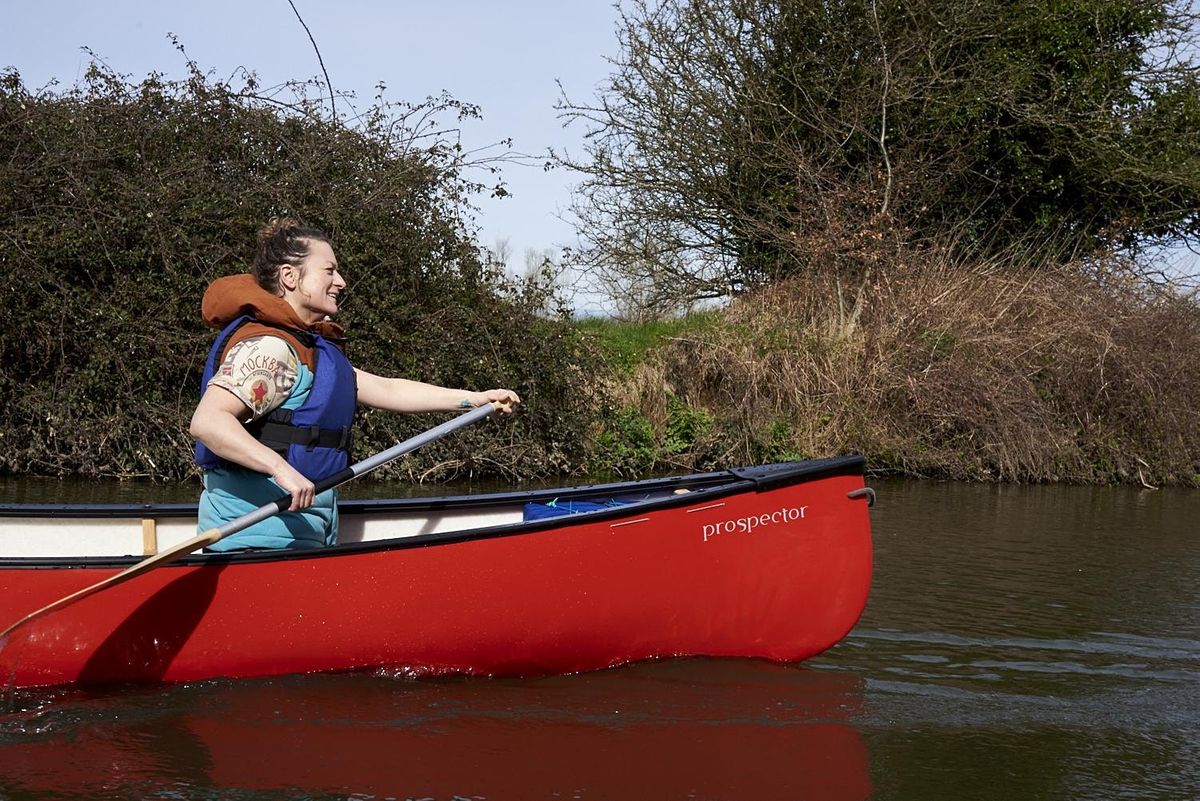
(680,729)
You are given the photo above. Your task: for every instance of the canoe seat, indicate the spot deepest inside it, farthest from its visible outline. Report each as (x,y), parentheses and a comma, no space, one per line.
(557,508)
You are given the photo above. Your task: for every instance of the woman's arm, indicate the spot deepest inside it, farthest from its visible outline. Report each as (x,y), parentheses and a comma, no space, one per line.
(217,422)
(403,395)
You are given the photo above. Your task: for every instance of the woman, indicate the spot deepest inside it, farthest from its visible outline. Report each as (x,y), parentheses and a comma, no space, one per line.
(279,395)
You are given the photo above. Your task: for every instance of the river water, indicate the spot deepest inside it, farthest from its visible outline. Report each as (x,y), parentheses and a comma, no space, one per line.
(1020,643)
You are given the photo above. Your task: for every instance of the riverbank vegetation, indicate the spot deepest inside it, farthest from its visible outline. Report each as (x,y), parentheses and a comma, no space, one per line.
(999,372)
(927,225)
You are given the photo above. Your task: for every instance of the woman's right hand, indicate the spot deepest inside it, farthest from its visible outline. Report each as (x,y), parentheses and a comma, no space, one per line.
(302,490)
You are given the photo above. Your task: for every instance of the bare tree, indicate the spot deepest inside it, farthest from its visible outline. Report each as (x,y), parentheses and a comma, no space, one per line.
(737,142)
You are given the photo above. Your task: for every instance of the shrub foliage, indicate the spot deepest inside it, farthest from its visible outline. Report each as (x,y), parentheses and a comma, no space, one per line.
(125,199)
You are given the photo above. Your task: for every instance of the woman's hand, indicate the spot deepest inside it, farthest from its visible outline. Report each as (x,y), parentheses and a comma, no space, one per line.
(507,401)
(302,490)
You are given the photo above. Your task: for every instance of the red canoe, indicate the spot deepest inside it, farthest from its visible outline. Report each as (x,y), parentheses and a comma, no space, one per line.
(771,562)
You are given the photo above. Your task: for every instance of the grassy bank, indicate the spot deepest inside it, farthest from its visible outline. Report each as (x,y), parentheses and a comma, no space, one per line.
(992,373)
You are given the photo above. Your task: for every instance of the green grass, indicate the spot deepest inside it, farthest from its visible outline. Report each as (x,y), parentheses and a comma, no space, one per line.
(625,343)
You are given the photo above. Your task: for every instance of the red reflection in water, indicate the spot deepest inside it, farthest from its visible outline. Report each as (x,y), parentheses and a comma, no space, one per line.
(727,729)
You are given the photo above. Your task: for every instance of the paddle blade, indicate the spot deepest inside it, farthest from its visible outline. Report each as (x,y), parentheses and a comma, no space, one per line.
(157,560)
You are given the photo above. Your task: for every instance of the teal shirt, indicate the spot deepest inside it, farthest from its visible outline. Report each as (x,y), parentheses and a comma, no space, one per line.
(230,492)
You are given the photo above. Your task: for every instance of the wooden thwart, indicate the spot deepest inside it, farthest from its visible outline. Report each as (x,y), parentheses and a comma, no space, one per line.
(149,536)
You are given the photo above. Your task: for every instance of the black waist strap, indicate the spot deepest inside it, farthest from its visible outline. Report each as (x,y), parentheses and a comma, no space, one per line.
(273,434)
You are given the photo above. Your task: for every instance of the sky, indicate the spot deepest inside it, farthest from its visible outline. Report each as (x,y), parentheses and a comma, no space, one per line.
(502,56)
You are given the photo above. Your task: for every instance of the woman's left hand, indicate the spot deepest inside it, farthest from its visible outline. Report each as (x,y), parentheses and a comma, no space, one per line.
(507,401)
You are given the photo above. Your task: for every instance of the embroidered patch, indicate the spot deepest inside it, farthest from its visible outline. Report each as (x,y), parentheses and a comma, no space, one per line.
(259,391)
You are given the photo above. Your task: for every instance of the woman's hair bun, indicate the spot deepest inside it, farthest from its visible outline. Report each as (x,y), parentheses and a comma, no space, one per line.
(277,225)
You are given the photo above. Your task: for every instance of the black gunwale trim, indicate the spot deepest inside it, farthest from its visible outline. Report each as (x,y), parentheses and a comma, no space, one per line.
(704,486)
(100,510)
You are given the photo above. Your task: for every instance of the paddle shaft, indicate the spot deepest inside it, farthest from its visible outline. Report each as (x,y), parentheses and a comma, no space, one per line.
(261,513)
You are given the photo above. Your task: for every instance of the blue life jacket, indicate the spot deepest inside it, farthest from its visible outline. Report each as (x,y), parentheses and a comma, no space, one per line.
(316,437)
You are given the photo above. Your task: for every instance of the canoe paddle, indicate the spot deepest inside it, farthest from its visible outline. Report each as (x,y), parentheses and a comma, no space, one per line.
(261,513)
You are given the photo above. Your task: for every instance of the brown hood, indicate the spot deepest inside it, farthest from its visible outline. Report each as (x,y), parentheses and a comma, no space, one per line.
(234,295)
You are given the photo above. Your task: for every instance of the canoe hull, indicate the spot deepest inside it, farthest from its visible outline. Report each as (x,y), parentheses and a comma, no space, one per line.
(779,573)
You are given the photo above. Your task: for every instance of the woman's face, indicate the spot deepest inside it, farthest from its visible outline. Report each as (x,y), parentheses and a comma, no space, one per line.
(318,283)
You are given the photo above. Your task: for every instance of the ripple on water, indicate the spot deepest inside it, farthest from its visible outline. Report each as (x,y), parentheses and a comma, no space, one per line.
(946,679)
